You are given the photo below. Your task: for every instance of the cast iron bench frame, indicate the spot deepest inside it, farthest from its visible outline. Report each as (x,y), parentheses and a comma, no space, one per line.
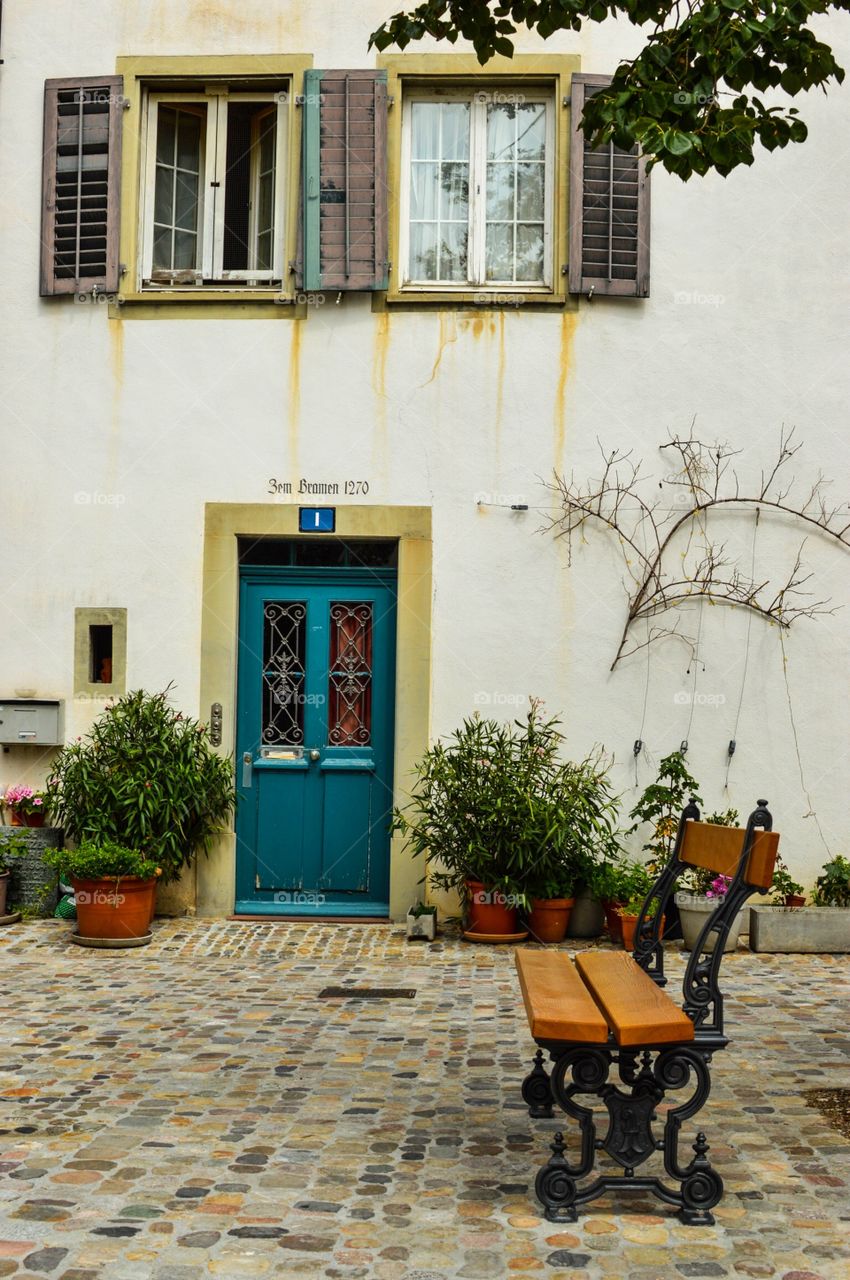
(671,1058)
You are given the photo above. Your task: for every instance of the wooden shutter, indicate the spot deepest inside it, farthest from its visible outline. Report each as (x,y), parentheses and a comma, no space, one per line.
(82,155)
(344,229)
(609,210)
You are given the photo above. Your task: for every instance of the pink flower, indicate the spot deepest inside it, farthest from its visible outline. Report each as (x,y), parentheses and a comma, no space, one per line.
(37,800)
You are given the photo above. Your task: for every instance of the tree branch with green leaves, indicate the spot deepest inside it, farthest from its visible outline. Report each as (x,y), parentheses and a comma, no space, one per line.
(691,98)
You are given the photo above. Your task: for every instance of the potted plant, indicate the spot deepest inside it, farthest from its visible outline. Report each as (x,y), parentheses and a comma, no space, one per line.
(787,889)
(823,927)
(9,849)
(145,778)
(629,913)
(422,921)
(114,888)
(660,806)
(27,807)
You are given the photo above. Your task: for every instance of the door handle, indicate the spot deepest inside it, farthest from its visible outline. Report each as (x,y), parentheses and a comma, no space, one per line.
(315,754)
(247,769)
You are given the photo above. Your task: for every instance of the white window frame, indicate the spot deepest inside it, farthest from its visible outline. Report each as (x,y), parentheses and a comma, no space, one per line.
(479,100)
(212,190)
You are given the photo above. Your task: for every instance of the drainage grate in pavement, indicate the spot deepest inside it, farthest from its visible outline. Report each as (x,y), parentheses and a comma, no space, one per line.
(367,993)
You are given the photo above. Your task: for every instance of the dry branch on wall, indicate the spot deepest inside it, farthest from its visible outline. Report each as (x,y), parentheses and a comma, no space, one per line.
(670,558)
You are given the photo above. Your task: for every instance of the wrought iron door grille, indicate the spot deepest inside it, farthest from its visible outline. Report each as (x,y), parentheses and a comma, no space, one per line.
(284,632)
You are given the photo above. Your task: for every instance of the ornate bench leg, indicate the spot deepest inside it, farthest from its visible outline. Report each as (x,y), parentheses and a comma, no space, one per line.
(556,1189)
(537,1090)
(701,1189)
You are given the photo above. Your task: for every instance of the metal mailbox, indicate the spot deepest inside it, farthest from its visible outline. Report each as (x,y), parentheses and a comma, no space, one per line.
(30,722)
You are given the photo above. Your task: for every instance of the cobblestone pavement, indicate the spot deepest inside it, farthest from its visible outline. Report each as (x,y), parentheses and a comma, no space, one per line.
(193,1109)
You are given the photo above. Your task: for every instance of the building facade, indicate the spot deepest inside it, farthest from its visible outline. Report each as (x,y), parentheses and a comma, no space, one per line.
(295,339)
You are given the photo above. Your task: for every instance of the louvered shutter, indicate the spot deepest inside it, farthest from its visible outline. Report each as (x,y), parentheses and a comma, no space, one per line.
(344,215)
(82,155)
(609,210)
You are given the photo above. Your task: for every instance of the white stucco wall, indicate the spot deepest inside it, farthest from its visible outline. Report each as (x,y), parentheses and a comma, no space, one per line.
(116,432)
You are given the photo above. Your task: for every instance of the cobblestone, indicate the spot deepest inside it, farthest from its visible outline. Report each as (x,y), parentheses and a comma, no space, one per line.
(192,1109)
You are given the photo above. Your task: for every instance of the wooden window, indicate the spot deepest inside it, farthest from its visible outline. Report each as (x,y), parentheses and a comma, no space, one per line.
(213,198)
(477,190)
(344,174)
(609,210)
(80,184)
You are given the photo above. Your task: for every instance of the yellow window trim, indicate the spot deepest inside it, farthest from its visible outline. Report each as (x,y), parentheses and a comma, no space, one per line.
(543,70)
(145,72)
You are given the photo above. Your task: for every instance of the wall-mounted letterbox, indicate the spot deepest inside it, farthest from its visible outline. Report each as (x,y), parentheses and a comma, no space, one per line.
(30,722)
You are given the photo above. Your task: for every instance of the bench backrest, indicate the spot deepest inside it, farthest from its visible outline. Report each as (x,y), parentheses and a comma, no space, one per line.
(746,855)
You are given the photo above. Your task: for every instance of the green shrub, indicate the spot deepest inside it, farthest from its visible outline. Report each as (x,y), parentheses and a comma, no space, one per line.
(106,860)
(146,778)
(832,887)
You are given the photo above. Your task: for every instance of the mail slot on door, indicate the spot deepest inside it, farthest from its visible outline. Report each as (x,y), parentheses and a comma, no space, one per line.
(30,721)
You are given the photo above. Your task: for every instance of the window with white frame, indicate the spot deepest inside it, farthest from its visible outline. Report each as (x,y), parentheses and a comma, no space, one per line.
(477,190)
(213,198)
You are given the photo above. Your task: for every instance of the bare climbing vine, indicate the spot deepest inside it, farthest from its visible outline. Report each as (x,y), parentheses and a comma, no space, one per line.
(670,557)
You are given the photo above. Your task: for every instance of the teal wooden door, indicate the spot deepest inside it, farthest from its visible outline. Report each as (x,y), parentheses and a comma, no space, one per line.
(315,741)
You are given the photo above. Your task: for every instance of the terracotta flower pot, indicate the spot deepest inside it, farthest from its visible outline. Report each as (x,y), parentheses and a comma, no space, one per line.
(794,900)
(613,920)
(27,819)
(4,885)
(489,911)
(549,918)
(110,909)
(627,931)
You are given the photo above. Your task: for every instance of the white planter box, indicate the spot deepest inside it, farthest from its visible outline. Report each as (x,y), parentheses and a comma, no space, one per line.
(803,929)
(424,926)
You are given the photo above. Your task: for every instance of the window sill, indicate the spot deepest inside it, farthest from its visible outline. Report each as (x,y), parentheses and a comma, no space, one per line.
(506,299)
(208,303)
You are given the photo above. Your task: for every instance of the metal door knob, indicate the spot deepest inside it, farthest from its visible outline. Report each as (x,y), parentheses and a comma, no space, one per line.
(315,754)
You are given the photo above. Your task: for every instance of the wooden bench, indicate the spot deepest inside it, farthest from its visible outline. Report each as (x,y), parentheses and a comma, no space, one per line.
(609,1008)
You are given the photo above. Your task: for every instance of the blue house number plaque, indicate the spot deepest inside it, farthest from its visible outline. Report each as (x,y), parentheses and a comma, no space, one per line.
(316,519)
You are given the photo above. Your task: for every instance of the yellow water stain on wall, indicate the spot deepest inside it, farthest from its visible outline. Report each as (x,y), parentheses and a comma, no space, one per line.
(293,407)
(379,386)
(448,335)
(115,328)
(569,321)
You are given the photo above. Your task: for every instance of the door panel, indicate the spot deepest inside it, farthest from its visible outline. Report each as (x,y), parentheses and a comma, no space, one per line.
(314,740)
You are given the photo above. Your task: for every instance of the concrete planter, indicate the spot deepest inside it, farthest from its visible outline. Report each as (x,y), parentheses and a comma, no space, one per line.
(694,910)
(800,929)
(423,926)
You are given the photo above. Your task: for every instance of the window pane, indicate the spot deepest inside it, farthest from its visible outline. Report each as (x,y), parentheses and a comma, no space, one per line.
(163,201)
(454,192)
(531,132)
(249,187)
(185,245)
(424,189)
(165,131)
(500,251)
(501,131)
(425,130)
(529,253)
(455,121)
(162,249)
(188,141)
(530,192)
(423,251)
(500,191)
(284,633)
(350,684)
(186,201)
(453,251)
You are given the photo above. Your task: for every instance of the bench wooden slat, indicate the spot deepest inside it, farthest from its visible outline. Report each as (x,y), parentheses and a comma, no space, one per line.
(638,1011)
(558,1004)
(716,848)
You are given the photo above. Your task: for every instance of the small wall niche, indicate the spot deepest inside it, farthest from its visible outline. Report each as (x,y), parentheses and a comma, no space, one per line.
(100,652)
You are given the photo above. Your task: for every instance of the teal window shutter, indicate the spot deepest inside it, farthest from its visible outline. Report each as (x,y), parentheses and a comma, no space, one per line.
(344,180)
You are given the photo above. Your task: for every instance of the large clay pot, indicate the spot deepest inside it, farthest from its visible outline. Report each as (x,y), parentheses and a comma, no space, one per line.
(549,917)
(4,884)
(114,909)
(586,917)
(27,819)
(489,911)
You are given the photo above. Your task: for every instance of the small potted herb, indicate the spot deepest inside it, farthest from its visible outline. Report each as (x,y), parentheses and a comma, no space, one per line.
(789,892)
(422,921)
